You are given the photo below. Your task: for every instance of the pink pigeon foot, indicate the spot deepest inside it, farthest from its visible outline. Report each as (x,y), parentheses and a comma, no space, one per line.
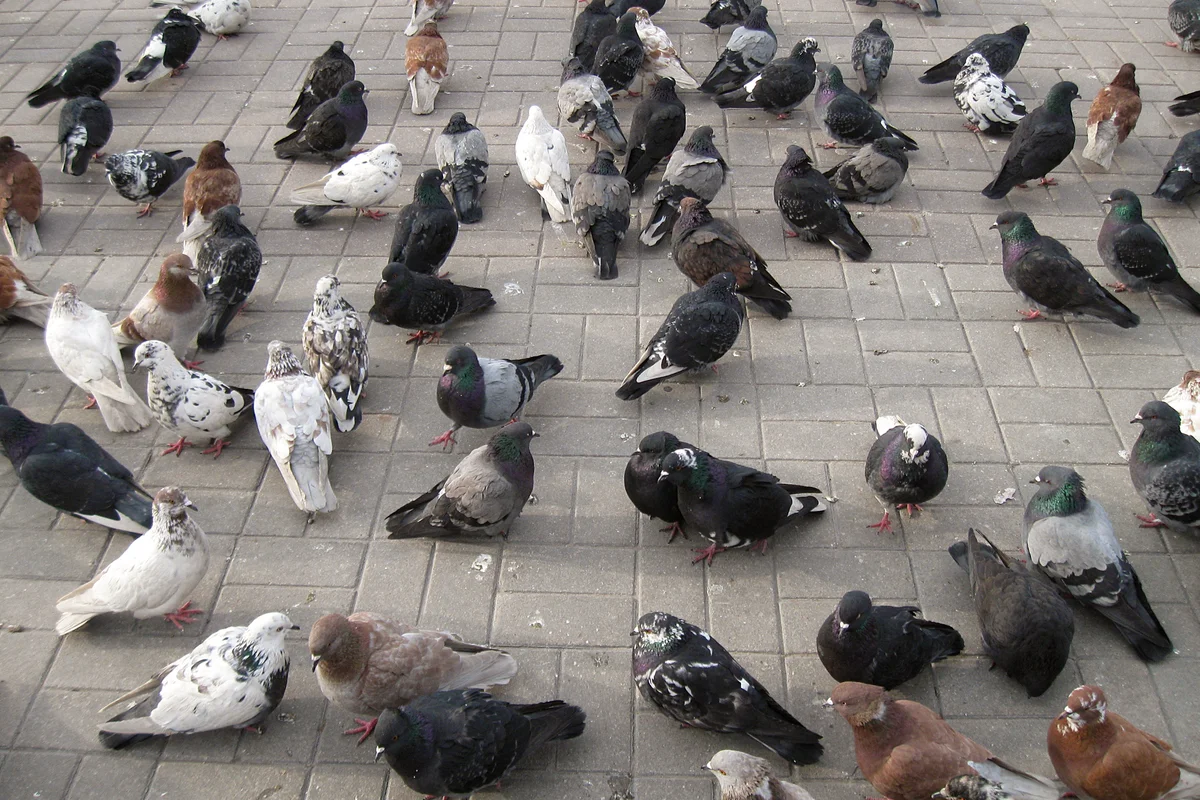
(830,146)
(424,337)
(1117,287)
(1150,521)
(1031,313)
(216,448)
(884,525)
(178,70)
(707,553)
(675,529)
(99,156)
(91,403)
(911,508)
(146,210)
(1047,182)
(183,616)
(446,440)
(375,215)
(760,546)
(784,115)
(191,364)
(1022,185)
(1168,44)
(177,448)
(365,726)
(790,234)
(972,128)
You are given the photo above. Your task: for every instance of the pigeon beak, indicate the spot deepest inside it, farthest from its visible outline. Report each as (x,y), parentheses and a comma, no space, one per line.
(993,226)
(1106,201)
(1064,714)
(189,504)
(662,476)
(295,627)
(1035,480)
(828,703)
(941,795)
(446,369)
(315,661)
(378,753)
(536,435)
(1136,419)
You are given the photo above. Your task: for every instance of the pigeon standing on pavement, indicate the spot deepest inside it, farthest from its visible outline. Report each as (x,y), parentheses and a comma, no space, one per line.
(335,346)
(781,86)
(424,303)
(1043,140)
(660,58)
(811,208)
(172,311)
(600,209)
(427,63)
(1000,50)
(152,577)
(333,128)
(20,298)
(1135,253)
(871,56)
(229,262)
(872,174)
(366,180)
(659,122)
(328,73)
(728,12)
(619,55)
(84,126)
(1184,18)
(213,184)
(426,228)
(20,200)
(906,466)
(695,170)
(848,118)
(692,679)
(1181,176)
(989,104)
(583,101)
(462,155)
(221,18)
(172,42)
(425,10)
(545,164)
(747,53)
(1112,117)
(742,776)
(143,176)
(592,25)
(1164,465)
(88,74)
(657,499)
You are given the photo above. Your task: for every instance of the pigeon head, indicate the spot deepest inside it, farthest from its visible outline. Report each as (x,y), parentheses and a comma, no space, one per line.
(269,629)
(1085,706)
(702,144)
(798,162)
(353,92)
(537,120)
(1124,205)
(739,774)
(659,633)
(105,48)
(429,29)
(1125,78)
(428,186)
(338,46)
(67,301)
(757,21)
(511,443)
(1015,227)
(1191,383)
(971,787)
(876,25)
(1156,418)
(178,15)
(977,63)
(664,90)
(327,295)
(18,433)
(806,47)
(721,283)
(457,124)
(605,164)
(659,442)
(227,219)
(333,644)
(1058,99)
(693,212)
(680,467)
(572,68)
(176,267)
(893,148)
(1060,492)
(406,738)
(853,611)
(212,156)
(281,361)
(151,354)
(859,703)
(7,145)
(627,25)
(643,16)
(829,78)
(461,368)
(915,437)
(171,500)
(1019,32)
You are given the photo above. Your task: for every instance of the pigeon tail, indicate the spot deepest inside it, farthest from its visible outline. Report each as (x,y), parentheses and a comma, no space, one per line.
(424,91)
(799,746)
(480,670)
(851,242)
(475,299)
(1180,289)
(292,145)
(129,727)
(124,414)
(26,244)
(466,191)
(45,95)
(406,521)
(1018,784)
(1186,104)
(660,224)
(1102,143)
(909,142)
(217,318)
(552,721)
(541,368)
(637,166)
(71,621)
(940,73)
(1175,187)
(942,639)
(144,69)
(135,509)
(307,215)
(1138,624)
(304,109)
(1111,309)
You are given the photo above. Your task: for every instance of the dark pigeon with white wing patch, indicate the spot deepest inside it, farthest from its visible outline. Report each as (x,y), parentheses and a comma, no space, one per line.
(781,86)
(172,42)
(812,209)
(84,126)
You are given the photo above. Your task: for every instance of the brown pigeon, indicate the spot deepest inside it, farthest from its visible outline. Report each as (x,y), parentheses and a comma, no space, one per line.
(1114,113)
(427,61)
(172,311)
(212,184)
(19,297)
(20,199)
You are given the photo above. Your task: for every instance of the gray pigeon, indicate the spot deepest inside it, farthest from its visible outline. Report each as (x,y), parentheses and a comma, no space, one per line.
(1164,464)
(989,104)
(462,153)
(84,126)
(1070,539)
(600,209)
(1044,139)
(1137,255)
(484,494)
(1184,19)
(871,56)
(747,53)
(811,208)
(333,128)
(1181,177)
(847,117)
(695,170)
(584,101)
(872,174)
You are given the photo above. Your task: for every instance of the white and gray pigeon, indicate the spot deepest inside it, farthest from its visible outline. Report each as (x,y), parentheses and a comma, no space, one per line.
(1070,539)
(188,402)
(81,342)
(424,11)
(871,56)
(989,104)
(1164,464)
(600,208)
(366,180)
(545,164)
(1184,19)
(462,153)
(335,345)
(152,577)
(294,423)
(233,679)
(143,176)
(747,53)
(872,174)
(221,18)
(694,170)
(172,42)
(1185,399)
(742,776)
(583,99)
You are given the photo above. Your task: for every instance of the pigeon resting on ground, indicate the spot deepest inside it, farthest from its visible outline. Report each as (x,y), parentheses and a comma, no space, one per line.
(1164,464)
(781,86)
(695,170)
(729,12)
(423,303)
(659,122)
(172,42)
(333,128)
(484,494)
(213,184)
(221,18)
(619,55)
(143,176)
(1181,177)
(20,298)
(88,74)
(583,101)
(426,228)
(655,498)
(462,155)
(234,679)
(1185,399)
(692,679)
(660,57)
(335,346)
(84,126)
(592,25)
(871,56)
(1136,255)
(366,180)
(906,466)
(600,209)
(172,311)
(229,262)
(1184,18)
(742,776)
(20,200)
(1001,50)
(425,10)
(427,62)
(1112,117)
(545,164)
(811,208)
(1042,141)
(872,174)
(153,576)
(989,104)
(747,53)
(848,118)
(328,73)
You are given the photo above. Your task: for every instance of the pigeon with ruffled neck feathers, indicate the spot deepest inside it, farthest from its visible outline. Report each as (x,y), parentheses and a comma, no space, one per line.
(906,466)
(1137,255)
(1164,464)
(989,104)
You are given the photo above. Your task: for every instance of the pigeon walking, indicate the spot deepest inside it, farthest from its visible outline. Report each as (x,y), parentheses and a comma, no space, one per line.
(781,86)
(1181,176)
(20,297)
(660,58)
(583,101)
(1184,18)
(172,311)
(1135,253)
(989,104)
(229,262)
(619,55)
(872,174)
(221,18)
(695,170)
(425,10)
(1000,50)
(728,12)
(333,128)
(20,200)
(747,53)
(871,56)
(659,122)
(84,126)
(172,42)
(462,155)
(657,499)
(213,184)
(848,118)
(143,176)
(88,74)
(427,63)
(367,180)
(426,228)
(741,775)
(906,466)
(594,23)
(600,209)
(811,208)
(335,347)
(1042,141)
(1164,464)
(545,164)
(327,74)
(1112,116)
(423,303)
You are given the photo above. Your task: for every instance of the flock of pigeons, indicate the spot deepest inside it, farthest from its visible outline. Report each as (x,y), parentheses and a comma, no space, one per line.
(422,694)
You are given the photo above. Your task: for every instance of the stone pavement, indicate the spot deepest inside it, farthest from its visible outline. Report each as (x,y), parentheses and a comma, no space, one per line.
(926,329)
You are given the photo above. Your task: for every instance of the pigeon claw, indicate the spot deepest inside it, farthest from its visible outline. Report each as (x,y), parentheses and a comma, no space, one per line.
(911,508)
(1168,44)
(183,615)
(707,553)
(1117,287)
(190,364)
(91,402)
(1031,313)
(789,234)
(1150,521)
(364,726)
(829,146)
(99,156)
(178,70)
(760,546)
(375,215)
(1044,181)
(177,448)
(784,115)
(446,440)
(675,529)
(972,128)
(884,525)
(146,210)
(424,337)
(216,448)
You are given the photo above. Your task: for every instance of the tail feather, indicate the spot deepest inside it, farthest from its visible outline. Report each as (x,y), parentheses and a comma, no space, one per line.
(557,203)
(71,621)
(909,142)
(424,91)
(1138,624)
(851,242)
(481,670)
(944,640)
(1111,309)
(475,299)
(1101,144)
(541,368)
(552,721)
(303,110)
(126,414)
(801,747)
(45,95)
(604,253)
(212,332)
(660,224)
(136,507)
(1180,289)
(291,146)
(1175,187)
(637,167)
(805,504)
(466,190)
(939,73)
(144,69)
(1186,104)
(307,215)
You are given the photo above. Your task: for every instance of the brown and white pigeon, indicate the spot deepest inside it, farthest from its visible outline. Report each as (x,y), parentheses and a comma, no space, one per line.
(1112,117)
(212,184)
(335,345)
(659,56)
(427,62)
(742,776)
(20,297)
(20,200)
(1185,399)
(172,311)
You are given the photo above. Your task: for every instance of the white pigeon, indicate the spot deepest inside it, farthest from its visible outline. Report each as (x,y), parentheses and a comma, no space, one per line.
(545,164)
(989,104)
(659,55)
(425,10)
(335,344)
(364,181)
(81,342)
(188,402)
(293,421)
(233,679)
(221,18)
(1185,398)
(153,576)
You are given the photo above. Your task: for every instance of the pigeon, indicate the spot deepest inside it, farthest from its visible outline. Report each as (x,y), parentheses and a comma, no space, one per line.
(187,402)
(233,679)
(221,18)
(366,663)
(989,104)
(1026,626)
(1001,50)
(484,494)
(229,262)
(335,347)
(426,228)
(172,42)
(583,100)
(655,498)
(747,53)
(871,56)
(479,392)
(1181,176)
(600,208)
(20,298)
(732,505)
(1164,465)
(692,679)
(704,247)
(20,200)
(462,155)
(659,122)
(63,467)
(452,744)
(659,54)
(695,170)
(293,421)
(88,74)
(742,776)
(213,184)
(728,12)
(1070,539)
(1043,271)
(328,73)
(427,62)
(700,328)
(143,176)
(927,7)
(1185,399)
(172,311)
(423,303)
(332,129)
(592,25)
(812,209)
(1043,140)
(883,645)
(1184,18)
(1135,253)
(153,576)
(425,10)
(84,126)
(906,466)
(651,7)
(848,118)
(781,86)
(1185,105)
(872,174)
(366,180)
(619,55)
(545,164)
(82,345)
(1112,117)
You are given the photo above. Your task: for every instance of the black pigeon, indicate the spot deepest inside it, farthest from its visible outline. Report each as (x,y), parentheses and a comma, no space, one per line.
(1184,18)
(657,499)
(172,42)
(883,645)
(594,23)
(143,176)
(328,72)
(659,122)
(228,262)
(600,211)
(747,53)
(872,174)
(84,126)
(906,466)
(584,101)
(927,7)
(1043,140)
(729,12)
(1181,177)
(426,228)
(695,681)
(697,170)
(63,467)
(1137,255)
(781,86)
(1185,105)
(88,74)
(1000,49)
(619,55)
(812,209)
(1026,626)
(1164,464)
(847,117)
(423,303)
(452,744)
(1043,271)
(733,505)
(333,128)
(1071,540)
(462,154)
(700,328)
(871,56)
(652,7)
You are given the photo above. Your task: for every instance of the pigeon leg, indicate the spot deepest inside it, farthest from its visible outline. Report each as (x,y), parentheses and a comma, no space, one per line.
(1150,521)
(760,546)
(183,616)
(217,447)
(910,507)
(177,448)
(1044,181)
(365,726)
(884,524)
(375,215)
(178,70)
(190,364)
(99,156)
(146,210)
(972,128)
(707,553)
(1168,44)
(830,146)
(1117,287)
(790,234)
(676,530)
(446,440)
(91,403)
(1031,314)
(258,729)
(784,115)
(584,135)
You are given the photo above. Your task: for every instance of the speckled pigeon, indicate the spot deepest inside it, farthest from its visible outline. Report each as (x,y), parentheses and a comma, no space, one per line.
(335,349)
(1136,255)
(423,303)
(695,170)
(584,101)
(812,209)
(989,104)
(1164,464)
(847,117)
(619,55)
(659,122)
(781,86)
(906,466)
(1042,141)
(88,74)
(229,262)
(658,499)
(600,209)
(462,154)
(1000,49)
(426,228)
(84,126)
(333,128)
(1181,176)
(927,7)
(747,53)
(871,56)
(328,73)
(143,176)
(872,174)
(593,24)
(1184,19)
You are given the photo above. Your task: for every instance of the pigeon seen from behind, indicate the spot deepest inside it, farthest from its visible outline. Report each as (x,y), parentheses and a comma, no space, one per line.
(619,55)
(229,262)
(426,228)
(781,86)
(1043,140)
(847,117)
(88,74)
(1001,50)
(872,174)
(1112,116)
(84,126)
(660,58)
(427,62)
(600,209)
(695,170)
(462,155)
(333,128)
(989,104)
(728,12)
(425,10)
(659,122)
(906,466)
(143,176)
(1164,464)
(172,42)
(328,73)
(811,208)
(423,303)
(335,347)
(657,499)
(213,184)
(584,101)
(20,200)
(1137,255)
(871,56)
(747,53)
(545,164)
(593,24)
(1181,176)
